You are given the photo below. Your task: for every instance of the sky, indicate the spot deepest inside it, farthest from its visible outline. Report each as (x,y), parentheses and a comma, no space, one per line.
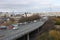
(29,5)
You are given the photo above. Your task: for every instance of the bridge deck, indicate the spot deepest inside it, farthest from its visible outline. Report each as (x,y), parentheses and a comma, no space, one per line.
(23,29)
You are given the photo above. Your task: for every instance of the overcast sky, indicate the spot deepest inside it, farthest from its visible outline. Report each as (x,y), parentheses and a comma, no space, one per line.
(30,5)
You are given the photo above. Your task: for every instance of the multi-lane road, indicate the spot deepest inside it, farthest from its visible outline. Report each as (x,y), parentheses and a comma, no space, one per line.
(23,29)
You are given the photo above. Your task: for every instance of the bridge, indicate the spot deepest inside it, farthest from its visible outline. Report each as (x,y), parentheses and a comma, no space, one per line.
(25,32)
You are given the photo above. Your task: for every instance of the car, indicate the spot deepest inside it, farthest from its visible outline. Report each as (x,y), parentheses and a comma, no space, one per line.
(29,21)
(25,23)
(20,23)
(35,20)
(3,27)
(10,27)
(15,25)
(44,18)
(15,28)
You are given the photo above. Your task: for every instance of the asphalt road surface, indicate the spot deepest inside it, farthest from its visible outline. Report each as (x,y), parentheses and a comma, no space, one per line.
(23,29)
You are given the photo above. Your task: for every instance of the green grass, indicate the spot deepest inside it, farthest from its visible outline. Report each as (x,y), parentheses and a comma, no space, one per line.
(45,36)
(53,34)
(57,23)
(50,35)
(57,20)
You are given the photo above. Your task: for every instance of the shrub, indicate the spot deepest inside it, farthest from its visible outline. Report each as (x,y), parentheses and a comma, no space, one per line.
(57,23)
(31,18)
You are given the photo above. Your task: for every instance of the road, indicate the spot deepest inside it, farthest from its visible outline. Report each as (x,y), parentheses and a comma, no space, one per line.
(23,29)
